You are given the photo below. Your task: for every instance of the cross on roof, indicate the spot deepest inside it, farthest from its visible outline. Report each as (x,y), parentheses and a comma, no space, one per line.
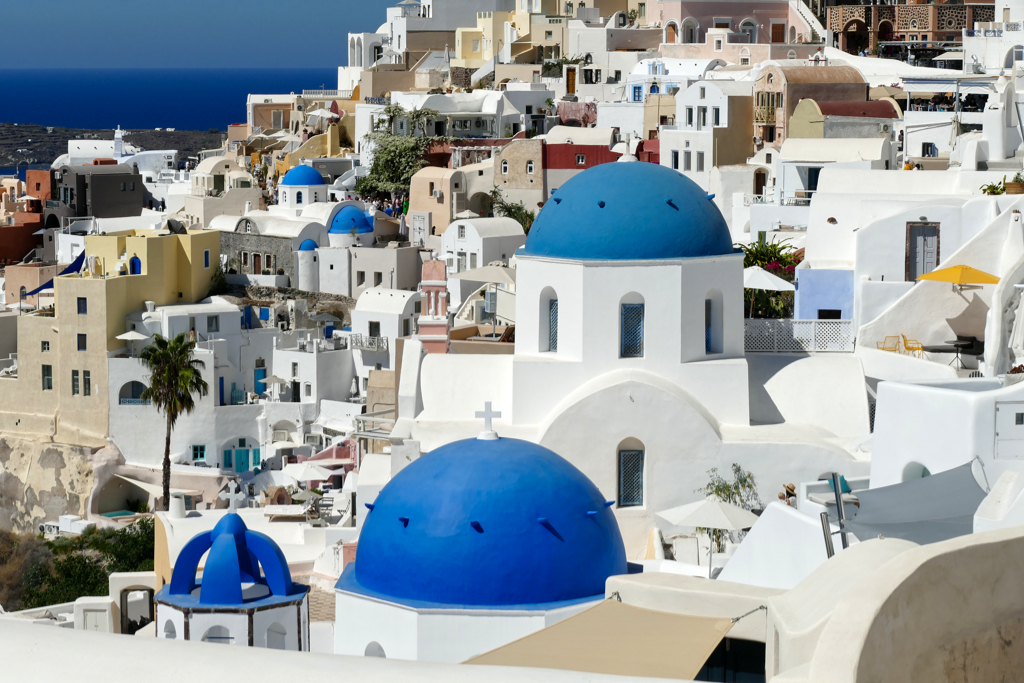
(487,414)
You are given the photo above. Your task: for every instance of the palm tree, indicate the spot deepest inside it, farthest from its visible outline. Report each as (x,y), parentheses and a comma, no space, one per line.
(174,377)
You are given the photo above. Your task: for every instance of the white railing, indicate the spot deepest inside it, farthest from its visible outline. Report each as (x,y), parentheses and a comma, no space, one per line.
(749,199)
(340,94)
(785,335)
(366,343)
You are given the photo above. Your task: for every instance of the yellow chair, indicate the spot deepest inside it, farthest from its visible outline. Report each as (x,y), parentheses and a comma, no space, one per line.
(890,344)
(913,347)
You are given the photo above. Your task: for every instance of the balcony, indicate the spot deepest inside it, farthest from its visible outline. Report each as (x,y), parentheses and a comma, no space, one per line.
(363,342)
(336,94)
(764,114)
(134,402)
(785,335)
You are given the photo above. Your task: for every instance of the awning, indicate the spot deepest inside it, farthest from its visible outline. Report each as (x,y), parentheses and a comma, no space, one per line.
(75,266)
(613,638)
(949,56)
(926,510)
(156,490)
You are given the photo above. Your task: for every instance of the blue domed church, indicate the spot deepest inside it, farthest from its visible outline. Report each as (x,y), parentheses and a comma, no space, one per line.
(473,545)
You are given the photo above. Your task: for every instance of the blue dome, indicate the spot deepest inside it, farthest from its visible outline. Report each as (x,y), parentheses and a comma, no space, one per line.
(236,557)
(308,245)
(303,175)
(476,523)
(350,218)
(627,211)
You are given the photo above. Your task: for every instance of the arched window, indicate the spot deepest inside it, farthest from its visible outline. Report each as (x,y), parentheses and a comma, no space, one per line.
(276,635)
(655,89)
(298,197)
(690,28)
(22,293)
(749,27)
(504,167)
(791,54)
(548,320)
(713,342)
(135,266)
(529,167)
(631,326)
(169,631)
(131,394)
(218,634)
(374,650)
(630,454)
(284,195)
(744,57)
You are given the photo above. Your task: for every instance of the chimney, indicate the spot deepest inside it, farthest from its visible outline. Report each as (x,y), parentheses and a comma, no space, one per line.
(248,208)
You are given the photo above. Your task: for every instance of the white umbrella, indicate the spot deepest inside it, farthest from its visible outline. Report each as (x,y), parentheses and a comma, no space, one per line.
(710,514)
(323,114)
(492,274)
(756,277)
(467,214)
(306,471)
(274,379)
(133,336)
(403,229)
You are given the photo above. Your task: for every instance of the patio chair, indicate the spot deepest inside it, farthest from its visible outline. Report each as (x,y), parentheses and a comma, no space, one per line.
(890,344)
(913,347)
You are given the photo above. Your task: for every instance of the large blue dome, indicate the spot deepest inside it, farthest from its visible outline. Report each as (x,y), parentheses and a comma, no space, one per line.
(476,523)
(627,211)
(303,175)
(350,218)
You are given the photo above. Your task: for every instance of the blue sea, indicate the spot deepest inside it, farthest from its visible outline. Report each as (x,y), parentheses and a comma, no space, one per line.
(186,99)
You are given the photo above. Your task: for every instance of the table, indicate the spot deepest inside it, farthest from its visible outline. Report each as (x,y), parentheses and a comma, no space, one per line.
(959,344)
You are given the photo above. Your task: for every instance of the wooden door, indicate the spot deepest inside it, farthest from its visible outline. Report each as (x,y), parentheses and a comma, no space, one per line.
(257,266)
(570,82)
(778,33)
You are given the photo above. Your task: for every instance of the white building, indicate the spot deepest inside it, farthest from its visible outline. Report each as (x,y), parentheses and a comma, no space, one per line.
(476,242)
(380,317)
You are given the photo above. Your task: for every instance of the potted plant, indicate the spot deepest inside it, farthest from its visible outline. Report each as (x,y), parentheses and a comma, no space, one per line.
(1015,375)
(1016,186)
(994,188)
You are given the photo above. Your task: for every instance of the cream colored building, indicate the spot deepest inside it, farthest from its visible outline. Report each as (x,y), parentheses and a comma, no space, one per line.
(474,46)
(63,351)
(220,186)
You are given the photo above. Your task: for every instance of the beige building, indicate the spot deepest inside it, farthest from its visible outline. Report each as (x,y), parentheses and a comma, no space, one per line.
(63,350)
(475,45)
(445,192)
(220,186)
(22,278)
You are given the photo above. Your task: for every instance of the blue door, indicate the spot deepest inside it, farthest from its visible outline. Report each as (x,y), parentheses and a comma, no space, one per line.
(227,460)
(221,383)
(135,266)
(255,457)
(241,459)
(259,386)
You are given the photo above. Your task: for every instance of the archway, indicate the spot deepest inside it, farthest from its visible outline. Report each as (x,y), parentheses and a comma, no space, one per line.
(135,266)
(792,35)
(131,394)
(690,30)
(671,32)
(169,631)
(915,470)
(749,27)
(374,650)
(854,37)
(1014,54)
(137,609)
(276,637)
(52,221)
(218,634)
(480,203)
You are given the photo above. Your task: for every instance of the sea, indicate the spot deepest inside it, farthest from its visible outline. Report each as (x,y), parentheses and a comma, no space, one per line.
(185,99)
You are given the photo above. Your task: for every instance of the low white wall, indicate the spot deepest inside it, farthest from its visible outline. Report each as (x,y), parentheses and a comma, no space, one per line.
(258,280)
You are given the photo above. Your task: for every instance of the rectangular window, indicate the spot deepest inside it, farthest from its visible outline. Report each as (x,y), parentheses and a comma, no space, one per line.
(702,92)
(718,44)
(548,35)
(295,369)
(81,342)
(309,389)
(74,382)
(83,306)
(268,261)
(462,232)
(618,76)
(212,323)
(581,159)
(360,277)
(405,327)
(631,478)
(689,117)
(86,383)
(227,459)
(641,10)
(717,116)
(553,325)
(131,187)
(122,187)
(245,259)
(206,258)
(675,159)
(374,328)
(700,162)
(45,346)
(47,377)
(472,260)
(686,161)
(632,343)
(378,278)
(199,453)
(462,261)
(702,117)
(638,93)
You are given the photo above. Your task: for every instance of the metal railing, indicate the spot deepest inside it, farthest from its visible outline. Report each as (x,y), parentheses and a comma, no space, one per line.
(363,342)
(134,402)
(785,335)
(764,114)
(341,94)
(749,199)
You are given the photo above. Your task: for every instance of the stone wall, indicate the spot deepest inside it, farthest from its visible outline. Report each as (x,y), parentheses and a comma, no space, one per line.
(460,76)
(40,481)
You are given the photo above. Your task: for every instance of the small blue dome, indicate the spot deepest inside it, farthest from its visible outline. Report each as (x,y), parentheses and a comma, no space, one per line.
(303,175)
(348,218)
(308,245)
(236,557)
(629,211)
(475,523)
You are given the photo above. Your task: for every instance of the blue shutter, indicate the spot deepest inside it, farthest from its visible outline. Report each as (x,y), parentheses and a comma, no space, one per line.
(631,478)
(632,331)
(553,325)
(227,459)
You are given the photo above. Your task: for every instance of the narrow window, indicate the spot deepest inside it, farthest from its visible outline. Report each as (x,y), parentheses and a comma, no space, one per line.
(553,325)
(700,161)
(45,346)
(295,369)
(47,377)
(309,389)
(81,342)
(227,458)
(631,478)
(689,117)
(374,328)
(675,159)
(212,323)
(717,113)
(74,382)
(86,383)
(462,232)
(206,258)
(504,168)
(298,197)
(83,306)
(529,167)
(707,325)
(378,278)
(632,331)
(360,277)
(686,161)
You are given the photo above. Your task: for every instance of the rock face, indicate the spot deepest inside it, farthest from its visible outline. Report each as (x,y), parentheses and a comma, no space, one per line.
(41,481)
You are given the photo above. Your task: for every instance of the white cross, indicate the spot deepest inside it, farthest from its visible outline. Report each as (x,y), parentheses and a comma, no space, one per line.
(487,414)
(233,495)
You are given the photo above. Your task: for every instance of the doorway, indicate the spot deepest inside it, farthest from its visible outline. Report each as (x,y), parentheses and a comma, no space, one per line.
(922,249)
(778,33)
(570,81)
(257,264)
(760,182)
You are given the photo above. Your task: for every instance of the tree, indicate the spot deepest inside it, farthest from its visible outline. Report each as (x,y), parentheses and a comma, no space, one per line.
(741,491)
(779,259)
(516,210)
(174,378)
(396,158)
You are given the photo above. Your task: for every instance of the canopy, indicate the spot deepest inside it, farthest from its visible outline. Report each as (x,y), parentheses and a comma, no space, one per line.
(947,56)
(132,336)
(756,277)
(494,274)
(961,275)
(74,267)
(467,214)
(21,306)
(710,514)
(617,639)
(925,510)
(274,379)
(307,472)
(323,113)
(324,318)
(156,490)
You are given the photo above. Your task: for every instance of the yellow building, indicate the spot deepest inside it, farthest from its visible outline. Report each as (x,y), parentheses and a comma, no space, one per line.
(60,389)
(475,46)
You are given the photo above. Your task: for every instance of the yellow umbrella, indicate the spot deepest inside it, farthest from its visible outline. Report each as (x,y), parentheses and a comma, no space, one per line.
(961,275)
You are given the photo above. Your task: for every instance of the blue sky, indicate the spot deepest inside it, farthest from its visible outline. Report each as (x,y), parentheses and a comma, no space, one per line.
(183,33)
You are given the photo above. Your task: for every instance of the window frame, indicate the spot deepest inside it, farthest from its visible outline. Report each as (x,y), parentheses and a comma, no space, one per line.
(83,342)
(633,349)
(624,453)
(83,305)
